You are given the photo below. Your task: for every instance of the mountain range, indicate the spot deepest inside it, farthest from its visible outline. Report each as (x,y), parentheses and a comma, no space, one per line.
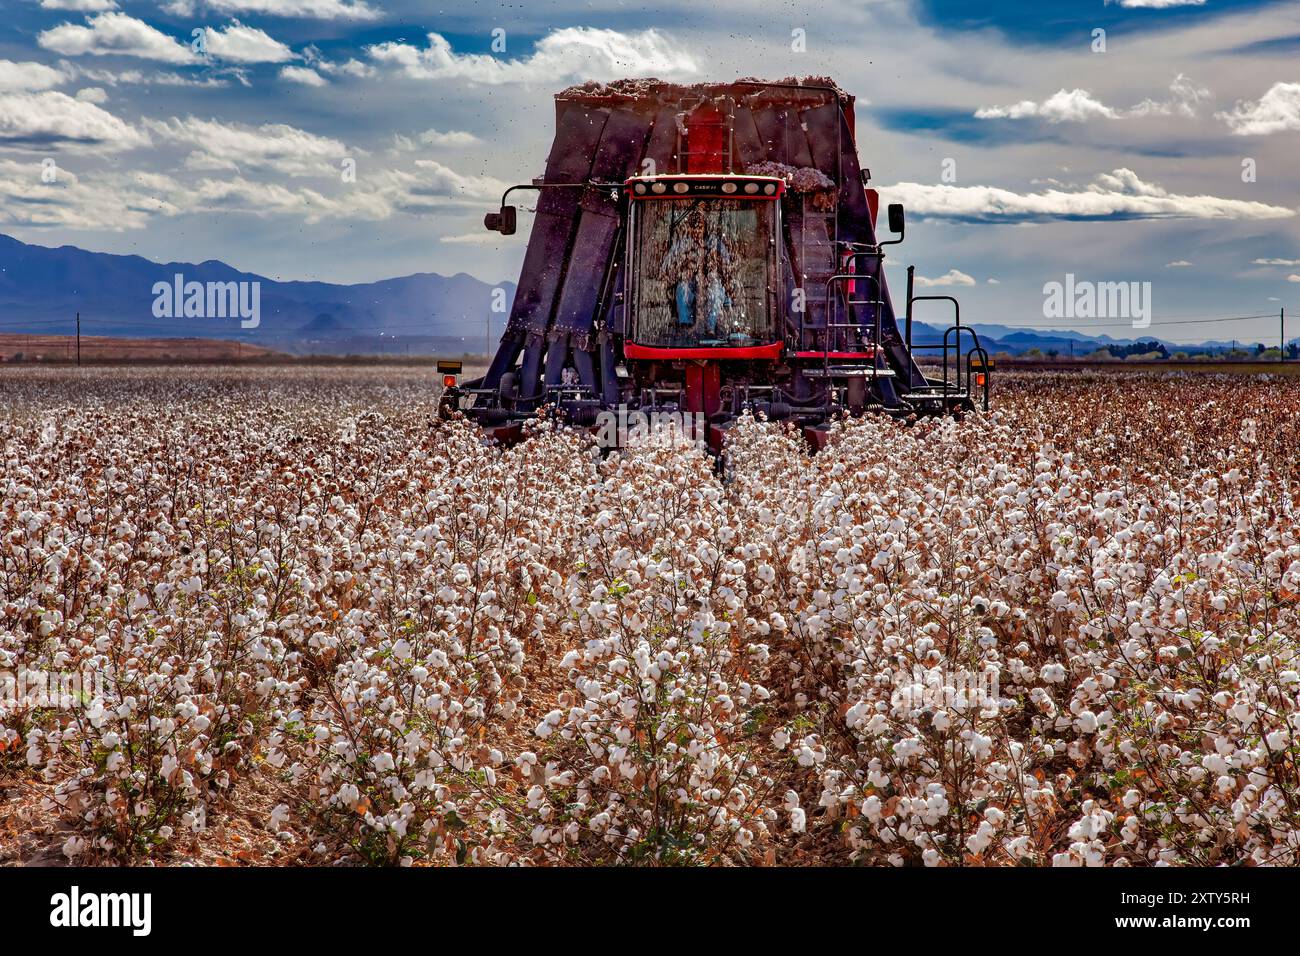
(42,289)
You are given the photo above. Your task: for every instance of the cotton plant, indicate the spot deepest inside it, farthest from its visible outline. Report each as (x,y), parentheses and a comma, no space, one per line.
(1058,634)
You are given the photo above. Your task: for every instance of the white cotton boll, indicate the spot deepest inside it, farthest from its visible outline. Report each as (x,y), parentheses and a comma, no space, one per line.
(798,820)
(780,739)
(1053,673)
(941,720)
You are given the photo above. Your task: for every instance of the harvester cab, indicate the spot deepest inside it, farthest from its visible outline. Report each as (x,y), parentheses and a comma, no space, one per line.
(702,251)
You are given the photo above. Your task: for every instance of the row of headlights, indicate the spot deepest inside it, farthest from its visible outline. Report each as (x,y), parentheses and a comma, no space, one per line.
(681,188)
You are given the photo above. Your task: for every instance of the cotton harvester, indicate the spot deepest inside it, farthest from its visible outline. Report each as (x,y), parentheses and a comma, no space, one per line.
(710,249)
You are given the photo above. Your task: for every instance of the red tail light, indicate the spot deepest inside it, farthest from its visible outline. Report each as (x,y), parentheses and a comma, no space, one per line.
(448,381)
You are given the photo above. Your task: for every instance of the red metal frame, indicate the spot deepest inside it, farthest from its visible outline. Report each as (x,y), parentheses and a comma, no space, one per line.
(721,353)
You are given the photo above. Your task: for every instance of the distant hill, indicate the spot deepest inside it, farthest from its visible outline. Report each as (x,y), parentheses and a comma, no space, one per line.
(42,289)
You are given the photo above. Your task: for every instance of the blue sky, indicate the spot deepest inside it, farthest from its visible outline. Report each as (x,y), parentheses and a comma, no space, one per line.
(1023,150)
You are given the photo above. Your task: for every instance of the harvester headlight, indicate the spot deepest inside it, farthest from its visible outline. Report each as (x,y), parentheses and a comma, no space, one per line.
(751,188)
(680,187)
(640,189)
(769,189)
(658,187)
(728,188)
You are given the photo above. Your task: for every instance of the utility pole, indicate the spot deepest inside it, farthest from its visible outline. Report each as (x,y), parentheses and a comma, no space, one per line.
(78,340)
(1281,328)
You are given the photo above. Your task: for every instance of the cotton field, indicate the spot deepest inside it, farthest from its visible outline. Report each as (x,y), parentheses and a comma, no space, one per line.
(285,616)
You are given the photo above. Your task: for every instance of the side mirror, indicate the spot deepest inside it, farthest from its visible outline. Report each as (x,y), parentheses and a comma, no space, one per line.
(896,219)
(502,222)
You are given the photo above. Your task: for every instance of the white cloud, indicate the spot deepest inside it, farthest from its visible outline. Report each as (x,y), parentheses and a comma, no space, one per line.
(1177,264)
(220,78)
(306,9)
(53,120)
(377,195)
(92,94)
(303,75)
(1079,106)
(80,6)
(115,34)
(438,139)
(240,44)
(570,54)
(1276,262)
(26,200)
(443,181)
(1293,278)
(995,281)
(1116,195)
(1158,4)
(28,76)
(454,138)
(1276,111)
(1072,106)
(234,146)
(949,278)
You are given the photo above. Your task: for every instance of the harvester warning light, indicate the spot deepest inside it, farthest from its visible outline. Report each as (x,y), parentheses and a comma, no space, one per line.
(449,370)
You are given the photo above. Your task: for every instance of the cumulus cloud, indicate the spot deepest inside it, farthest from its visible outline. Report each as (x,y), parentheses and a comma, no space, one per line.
(92,94)
(115,34)
(1116,195)
(378,195)
(237,43)
(438,139)
(453,137)
(304,9)
(53,120)
(1073,106)
(70,202)
(80,6)
(234,146)
(570,54)
(950,278)
(1079,106)
(1293,278)
(1276,111)
(1157,4)
(304,75)
(28,76)
(219,78)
